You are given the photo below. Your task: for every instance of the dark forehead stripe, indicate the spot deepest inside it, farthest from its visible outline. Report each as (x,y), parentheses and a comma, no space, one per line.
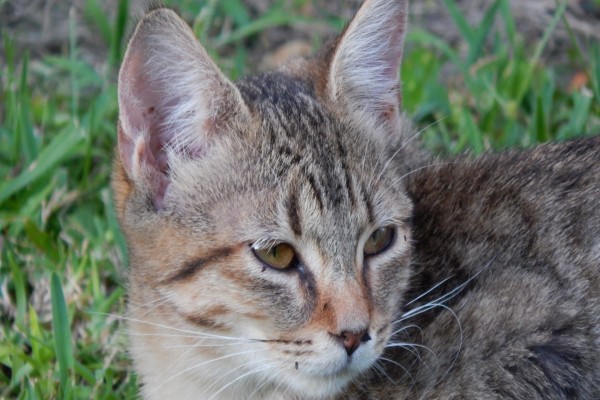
(302,133)
(366,198)
(348,180)
(292,98)
(293,210)
(315,190)
(192,267)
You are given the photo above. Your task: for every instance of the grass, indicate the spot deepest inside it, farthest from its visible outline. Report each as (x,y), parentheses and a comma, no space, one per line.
(62,255)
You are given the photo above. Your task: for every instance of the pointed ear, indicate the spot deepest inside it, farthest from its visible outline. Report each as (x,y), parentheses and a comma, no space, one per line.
(173,101)
(364,69)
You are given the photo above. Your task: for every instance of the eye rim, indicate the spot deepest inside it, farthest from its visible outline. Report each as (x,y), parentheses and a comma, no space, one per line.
(387,244)
(292,264)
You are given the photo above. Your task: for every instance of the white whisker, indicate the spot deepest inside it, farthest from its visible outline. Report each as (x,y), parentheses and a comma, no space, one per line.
(428,291)
(404,328)
(194,333)
(400,148)
(254,371)
(193,346)
(195,366)
(378,368)
(406,371)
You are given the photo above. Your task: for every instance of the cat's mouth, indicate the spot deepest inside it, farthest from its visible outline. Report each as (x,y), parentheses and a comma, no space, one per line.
(317,380)
(338,366)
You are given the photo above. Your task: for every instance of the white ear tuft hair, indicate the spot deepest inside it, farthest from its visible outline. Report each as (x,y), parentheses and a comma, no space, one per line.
(173,100)
(364,71)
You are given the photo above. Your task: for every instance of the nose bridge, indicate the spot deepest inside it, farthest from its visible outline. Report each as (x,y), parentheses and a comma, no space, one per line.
(352,309)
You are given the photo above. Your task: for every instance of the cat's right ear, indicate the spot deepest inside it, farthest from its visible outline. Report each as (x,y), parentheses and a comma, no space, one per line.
(364,67)
(173,101)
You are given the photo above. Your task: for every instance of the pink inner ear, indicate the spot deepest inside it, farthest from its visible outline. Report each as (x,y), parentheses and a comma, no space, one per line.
(142,146)
(168,88)
(367,60)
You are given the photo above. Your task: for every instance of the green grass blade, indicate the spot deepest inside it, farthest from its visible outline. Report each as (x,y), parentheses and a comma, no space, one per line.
(28,141)
(424,38)
(595,71)
(582,103)
(118,32)
(509,21)
(204,19)
(62,334)
(526,82)
(74,58)
(58,150)
(460,21)
(540,125)
(94,13)
(481,33)
(269,20)
(19,284)
(236,10)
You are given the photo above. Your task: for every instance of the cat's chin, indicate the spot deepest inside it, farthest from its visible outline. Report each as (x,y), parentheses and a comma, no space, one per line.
(319,387)
(325,381)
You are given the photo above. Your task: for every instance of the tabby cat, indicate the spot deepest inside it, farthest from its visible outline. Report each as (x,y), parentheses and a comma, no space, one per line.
(288,240)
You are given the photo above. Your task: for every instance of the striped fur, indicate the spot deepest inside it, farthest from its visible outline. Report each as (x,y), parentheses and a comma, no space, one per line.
(207,169)
(317,155)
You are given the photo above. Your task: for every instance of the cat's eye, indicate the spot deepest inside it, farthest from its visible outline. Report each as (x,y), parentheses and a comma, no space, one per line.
(281,256)
(379,241)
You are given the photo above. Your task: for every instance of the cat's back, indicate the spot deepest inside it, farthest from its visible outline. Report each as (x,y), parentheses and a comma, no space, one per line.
(511,243)
(542,201)
(540,205)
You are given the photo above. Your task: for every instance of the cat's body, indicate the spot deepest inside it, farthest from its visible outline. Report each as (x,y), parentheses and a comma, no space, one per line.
(280,232)
(513,242)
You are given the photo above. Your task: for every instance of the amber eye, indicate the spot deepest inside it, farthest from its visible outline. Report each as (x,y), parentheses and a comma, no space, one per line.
(281,256)
(379,241)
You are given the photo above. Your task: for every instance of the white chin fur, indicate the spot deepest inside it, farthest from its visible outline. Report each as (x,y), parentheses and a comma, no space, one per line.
(316,378)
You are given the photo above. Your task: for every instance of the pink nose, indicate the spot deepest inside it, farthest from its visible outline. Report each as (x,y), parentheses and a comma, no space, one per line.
(351,340)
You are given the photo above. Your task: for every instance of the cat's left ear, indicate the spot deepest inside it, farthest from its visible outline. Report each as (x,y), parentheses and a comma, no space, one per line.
(174,102)
(364,69)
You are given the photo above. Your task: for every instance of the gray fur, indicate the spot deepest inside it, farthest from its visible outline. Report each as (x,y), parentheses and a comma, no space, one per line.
(518,234)
(490,284)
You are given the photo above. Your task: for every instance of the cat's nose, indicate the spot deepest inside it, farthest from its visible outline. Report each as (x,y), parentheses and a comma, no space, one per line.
(351,340)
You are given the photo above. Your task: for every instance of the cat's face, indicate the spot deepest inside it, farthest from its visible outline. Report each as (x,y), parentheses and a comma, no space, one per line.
(267,221)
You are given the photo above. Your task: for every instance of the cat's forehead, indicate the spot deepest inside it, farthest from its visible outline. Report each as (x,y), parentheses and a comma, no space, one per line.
(299,137)
(287,106)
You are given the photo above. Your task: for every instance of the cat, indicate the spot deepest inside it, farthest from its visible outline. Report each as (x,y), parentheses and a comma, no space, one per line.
(288,238)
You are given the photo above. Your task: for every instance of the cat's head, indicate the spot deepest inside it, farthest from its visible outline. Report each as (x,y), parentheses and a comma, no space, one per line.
(266,219)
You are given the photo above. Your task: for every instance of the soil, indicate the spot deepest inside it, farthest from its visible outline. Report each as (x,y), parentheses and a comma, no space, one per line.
(42,26)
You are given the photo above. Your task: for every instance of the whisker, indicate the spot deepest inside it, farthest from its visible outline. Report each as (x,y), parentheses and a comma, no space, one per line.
(460,344)
(266,380)
(381,193)
(195,333)
(406,371)
(410,139)
(230,372)
(404,328)
(420,310)
(254,371)
(380,369)
(442,299)
(154,303)
(413,349)
(402,146)
(429,291)
(193,346)
(429,166)
(193,367)
(438,302)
